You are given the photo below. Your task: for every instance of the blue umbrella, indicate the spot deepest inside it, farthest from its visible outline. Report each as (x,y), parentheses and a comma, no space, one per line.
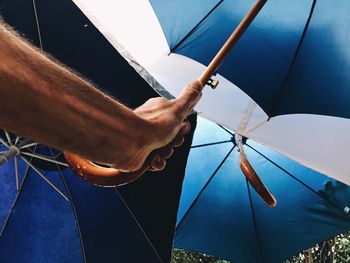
(285,84)
(275,45)
(48,214)
(220,214)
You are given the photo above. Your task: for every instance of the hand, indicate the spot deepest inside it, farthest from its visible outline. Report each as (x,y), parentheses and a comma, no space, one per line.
(166,127)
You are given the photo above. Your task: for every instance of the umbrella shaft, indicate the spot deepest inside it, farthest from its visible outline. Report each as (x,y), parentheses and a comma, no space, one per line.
(12,152)
(233,39)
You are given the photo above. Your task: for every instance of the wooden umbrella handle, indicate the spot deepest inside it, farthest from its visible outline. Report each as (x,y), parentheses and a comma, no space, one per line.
(254,179)
(231,41)
(108,176)
(257,184)
(102,175)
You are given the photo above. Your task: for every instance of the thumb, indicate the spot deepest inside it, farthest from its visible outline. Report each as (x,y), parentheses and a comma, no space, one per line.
(189,97)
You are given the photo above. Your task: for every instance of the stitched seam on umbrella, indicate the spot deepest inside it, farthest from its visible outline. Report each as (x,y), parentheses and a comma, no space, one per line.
(37,24)
(284,83)
(254,221)
(138,224)
(204,187)
(222,127)
(297,179)
(16,198)
(73,208)
(173,49)
(209,144)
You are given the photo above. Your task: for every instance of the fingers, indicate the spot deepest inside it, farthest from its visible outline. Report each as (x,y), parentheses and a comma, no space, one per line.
(179,138)
(185,127)
(166,152)
(178,141)
(189,97)
(158,161)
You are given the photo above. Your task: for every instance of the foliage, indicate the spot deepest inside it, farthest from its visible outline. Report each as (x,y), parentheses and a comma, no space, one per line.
(184,256)
(334,250)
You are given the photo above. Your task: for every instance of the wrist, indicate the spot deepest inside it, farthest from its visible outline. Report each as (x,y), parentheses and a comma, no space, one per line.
(141,134)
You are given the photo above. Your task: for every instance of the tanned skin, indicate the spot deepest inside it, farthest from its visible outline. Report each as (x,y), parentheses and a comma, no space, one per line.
(45,101)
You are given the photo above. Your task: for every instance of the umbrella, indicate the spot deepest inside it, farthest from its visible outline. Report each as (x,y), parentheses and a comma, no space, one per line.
(134,223)
(285,84)
(220,214)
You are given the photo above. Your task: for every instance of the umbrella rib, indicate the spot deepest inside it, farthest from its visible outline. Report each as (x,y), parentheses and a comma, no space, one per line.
(209,144)
(37,25)
(45,178)
(138,224)
(17,139)
(4,143)
(15,201)
(284,83)
(203,188)
(73,207)
(16,172)
(28,145)
(8,137)
(254,221)
(172,50)
(42,157)
(295,178)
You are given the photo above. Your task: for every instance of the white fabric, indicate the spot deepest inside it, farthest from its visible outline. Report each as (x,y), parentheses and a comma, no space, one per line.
(132,23)
(225,105)
(319,142)
(316,141)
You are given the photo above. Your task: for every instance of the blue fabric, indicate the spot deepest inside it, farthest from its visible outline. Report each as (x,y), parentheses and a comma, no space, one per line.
(106,225)
(184,16)
(198,161)
(215,228)
(319,80)
(8,181)
(262,60)
(40,212)
(109,231)
(265,51)
(229,220)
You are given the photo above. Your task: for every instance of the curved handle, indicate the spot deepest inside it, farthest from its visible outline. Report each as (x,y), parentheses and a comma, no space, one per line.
(100,175)
(257,184)
(254,179)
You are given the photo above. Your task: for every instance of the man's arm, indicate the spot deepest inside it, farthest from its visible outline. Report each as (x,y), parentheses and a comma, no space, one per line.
(44,101)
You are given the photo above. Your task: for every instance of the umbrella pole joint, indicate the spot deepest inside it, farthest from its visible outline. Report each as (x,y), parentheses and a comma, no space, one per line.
(213,83)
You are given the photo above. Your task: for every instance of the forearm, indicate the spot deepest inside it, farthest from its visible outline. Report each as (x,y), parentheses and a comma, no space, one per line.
(46,102)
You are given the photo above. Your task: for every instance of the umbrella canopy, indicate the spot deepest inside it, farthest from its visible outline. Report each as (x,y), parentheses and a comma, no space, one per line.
(285,85)
(220,214)
(54,216)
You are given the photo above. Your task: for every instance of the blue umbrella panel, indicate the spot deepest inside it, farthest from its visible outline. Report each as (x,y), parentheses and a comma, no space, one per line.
(220,214)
